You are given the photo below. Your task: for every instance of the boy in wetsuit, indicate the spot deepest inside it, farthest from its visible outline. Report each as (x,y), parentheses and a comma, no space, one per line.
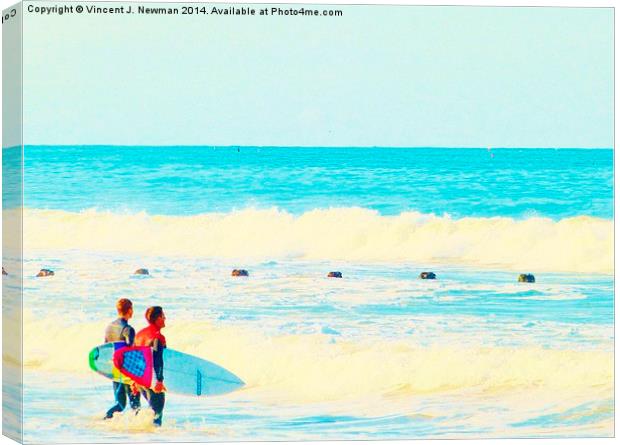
(120,331)
(152,336)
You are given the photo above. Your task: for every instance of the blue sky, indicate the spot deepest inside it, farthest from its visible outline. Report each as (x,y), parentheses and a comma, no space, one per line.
(378,76)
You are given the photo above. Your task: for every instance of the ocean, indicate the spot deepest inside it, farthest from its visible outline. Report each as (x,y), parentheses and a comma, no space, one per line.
(377,354)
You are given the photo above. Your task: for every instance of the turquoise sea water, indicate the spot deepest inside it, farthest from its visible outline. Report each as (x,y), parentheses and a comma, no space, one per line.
(194,180)
(377,354)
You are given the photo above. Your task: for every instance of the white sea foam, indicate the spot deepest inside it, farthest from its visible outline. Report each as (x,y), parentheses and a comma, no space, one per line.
(314,368)
(577,244)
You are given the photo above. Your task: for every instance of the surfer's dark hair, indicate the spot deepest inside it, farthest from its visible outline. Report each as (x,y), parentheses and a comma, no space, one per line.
(153,313)
(123,305)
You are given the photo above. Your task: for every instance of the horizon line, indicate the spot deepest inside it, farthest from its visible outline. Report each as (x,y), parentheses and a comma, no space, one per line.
(321,146)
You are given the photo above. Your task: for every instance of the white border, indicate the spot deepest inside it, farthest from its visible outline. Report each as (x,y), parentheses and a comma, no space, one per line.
(563,3)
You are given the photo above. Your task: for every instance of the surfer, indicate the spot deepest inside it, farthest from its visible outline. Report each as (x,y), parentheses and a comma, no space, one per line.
(152,336)
(121,331)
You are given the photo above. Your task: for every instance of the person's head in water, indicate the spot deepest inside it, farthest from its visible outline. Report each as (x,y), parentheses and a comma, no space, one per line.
(124,307)
(155,316)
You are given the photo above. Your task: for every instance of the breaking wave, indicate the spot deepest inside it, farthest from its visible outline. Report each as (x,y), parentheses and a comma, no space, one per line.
(348,368)
(576,244)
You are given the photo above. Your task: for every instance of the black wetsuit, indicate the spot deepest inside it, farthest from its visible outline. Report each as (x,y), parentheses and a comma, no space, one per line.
(120,331)
(156,400)
(152,337)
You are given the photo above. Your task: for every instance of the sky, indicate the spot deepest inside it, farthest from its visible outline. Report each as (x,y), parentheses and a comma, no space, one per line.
(399,76)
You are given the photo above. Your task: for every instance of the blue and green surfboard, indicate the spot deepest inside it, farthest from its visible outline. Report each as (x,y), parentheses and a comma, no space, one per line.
(183,373)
